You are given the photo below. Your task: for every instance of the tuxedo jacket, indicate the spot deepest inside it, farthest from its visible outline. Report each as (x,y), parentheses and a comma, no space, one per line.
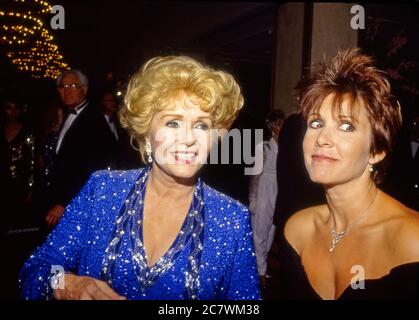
(86,147)
(125,156)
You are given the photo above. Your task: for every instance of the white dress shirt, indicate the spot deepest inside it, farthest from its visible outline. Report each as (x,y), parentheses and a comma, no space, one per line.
(67,124)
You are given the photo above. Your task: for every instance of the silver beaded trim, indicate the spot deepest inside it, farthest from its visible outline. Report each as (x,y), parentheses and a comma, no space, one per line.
(129,223)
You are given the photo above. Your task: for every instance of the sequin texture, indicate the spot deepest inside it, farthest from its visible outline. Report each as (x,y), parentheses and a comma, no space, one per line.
(226,268)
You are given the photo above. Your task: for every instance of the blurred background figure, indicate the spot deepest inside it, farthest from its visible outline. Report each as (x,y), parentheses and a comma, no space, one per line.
(263,190)
(124,156)
(85,143)
(414,145)
(17,168)
(50,121)
(110,106)
(18,160)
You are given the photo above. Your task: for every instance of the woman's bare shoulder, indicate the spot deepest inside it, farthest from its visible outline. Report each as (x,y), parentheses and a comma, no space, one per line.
(301,224)
(404,228)
(409,234)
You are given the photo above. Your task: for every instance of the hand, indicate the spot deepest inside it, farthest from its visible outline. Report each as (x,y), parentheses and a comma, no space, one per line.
(85,288)
(54,215)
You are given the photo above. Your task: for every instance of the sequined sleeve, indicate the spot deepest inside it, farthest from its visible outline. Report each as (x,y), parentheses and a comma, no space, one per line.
(244,280)
(62,249)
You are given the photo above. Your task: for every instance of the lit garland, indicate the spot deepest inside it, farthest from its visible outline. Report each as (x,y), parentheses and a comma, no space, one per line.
(30,46)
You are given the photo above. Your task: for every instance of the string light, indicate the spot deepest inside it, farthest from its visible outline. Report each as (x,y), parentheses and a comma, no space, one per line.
(30,46)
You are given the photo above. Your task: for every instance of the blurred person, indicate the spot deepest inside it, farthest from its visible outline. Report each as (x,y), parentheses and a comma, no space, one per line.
(110,106)
(50,122)
(263,190)
(18,158)
(414,145)
(17,170)
(84,143)
(124,154)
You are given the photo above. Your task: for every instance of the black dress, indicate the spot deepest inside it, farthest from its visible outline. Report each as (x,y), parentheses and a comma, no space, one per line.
(401,283)
(19,230)
(17,177)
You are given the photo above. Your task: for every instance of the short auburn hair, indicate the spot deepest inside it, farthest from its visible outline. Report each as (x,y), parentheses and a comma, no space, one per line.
(163,80)
(353,75)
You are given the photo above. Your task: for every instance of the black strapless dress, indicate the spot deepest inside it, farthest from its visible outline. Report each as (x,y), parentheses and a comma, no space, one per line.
(402,282)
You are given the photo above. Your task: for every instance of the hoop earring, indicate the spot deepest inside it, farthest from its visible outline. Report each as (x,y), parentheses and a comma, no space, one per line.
(148,150)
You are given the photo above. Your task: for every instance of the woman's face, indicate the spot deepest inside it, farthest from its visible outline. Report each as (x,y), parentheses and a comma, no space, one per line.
(337,148)
(11,110)
(180,138)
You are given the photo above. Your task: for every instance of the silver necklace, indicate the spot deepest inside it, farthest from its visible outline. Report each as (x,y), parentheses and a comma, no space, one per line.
(337,236)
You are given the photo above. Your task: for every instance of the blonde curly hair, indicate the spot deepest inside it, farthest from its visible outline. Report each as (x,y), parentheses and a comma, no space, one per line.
(163,80)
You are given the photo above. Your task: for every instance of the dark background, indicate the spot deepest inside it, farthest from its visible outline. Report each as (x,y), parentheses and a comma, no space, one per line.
(109,40)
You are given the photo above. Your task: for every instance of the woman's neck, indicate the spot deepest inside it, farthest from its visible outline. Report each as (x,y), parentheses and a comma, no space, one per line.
(162,185)
(351,202)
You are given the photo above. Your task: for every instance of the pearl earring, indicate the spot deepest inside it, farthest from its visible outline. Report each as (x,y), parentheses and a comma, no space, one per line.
(148,150)
(371,168)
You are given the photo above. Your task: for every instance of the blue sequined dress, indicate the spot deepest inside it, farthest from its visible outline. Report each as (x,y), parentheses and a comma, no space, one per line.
(100,235)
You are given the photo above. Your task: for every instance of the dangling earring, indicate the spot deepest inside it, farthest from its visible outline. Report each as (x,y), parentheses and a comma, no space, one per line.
(148,150)
(371,168)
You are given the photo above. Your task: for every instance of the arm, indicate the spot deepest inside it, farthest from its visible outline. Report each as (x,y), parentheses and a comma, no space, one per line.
(244,281)
(261,228)
(260,224)
(63,247)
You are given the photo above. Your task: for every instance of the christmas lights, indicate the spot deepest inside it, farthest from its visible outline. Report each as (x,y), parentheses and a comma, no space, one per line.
(30,46)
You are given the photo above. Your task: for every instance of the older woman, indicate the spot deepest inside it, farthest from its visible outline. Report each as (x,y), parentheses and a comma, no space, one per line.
(362,243)
(157,232)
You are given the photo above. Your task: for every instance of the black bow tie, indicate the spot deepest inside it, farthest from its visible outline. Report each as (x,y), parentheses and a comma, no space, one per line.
(68,111)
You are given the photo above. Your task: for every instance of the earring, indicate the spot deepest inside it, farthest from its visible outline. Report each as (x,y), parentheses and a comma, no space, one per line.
(371,168)
(148,150)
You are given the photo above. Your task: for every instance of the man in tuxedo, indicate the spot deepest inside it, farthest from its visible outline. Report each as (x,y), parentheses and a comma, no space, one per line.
(110,109)
(124,156)
(84,145)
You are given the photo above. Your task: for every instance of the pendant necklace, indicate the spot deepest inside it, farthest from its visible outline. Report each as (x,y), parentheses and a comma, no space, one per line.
(337,236)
